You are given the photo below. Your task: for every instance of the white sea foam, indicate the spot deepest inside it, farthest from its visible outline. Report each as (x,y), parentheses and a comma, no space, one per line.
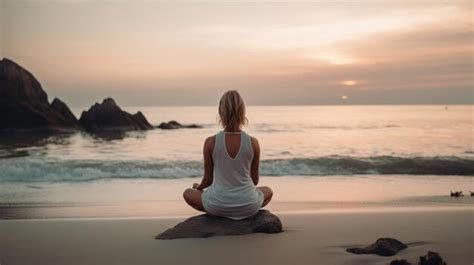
(25,169)
(295,141)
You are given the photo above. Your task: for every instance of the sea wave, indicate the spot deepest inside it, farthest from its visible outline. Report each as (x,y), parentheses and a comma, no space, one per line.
(37,170)
(271,128)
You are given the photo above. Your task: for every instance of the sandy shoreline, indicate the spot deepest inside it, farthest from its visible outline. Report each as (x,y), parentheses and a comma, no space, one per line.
(163,198)
(115,222)
(319,238)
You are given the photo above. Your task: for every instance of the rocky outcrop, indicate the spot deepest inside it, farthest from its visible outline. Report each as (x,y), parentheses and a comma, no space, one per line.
(24,105)
(432,258)
(63,109)
(16,83)
(400,262)
(171,125)
(457,194)
(140,119)
(109,117)
(207,226)
(382,247)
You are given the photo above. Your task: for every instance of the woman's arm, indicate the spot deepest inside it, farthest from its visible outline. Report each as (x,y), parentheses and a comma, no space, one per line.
(256,161)
(208,164)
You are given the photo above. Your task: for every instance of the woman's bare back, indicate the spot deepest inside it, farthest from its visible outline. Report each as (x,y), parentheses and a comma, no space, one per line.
(232,144)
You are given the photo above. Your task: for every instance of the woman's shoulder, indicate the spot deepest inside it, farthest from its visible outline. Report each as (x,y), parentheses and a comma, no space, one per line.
(210,140)
(252,138)
(254,142)
(209,143)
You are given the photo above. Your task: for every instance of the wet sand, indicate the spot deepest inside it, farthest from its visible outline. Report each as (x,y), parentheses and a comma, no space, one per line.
(316,238)
(292,194)
(115,222)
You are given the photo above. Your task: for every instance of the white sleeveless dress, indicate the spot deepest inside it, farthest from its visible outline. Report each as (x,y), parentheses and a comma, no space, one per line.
(232,193)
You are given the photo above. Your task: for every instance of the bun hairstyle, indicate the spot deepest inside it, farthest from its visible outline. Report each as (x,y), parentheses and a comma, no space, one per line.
(232,110)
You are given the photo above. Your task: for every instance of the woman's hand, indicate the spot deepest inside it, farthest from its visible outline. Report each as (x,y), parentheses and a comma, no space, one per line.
(195,186)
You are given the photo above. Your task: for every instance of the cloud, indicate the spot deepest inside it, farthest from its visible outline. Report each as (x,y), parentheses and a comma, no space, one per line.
(301,52)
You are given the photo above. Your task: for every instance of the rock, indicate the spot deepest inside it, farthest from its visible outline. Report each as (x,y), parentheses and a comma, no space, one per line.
(207,226)
(193,126)
(24,105)
(19,84)
(432,258)
(382,247)
(456,194)
(171,125)
(140,118)
(63,109)
(400,262)
(109,117)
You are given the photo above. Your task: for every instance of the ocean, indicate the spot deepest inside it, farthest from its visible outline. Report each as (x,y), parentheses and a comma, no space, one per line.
(315,158)
(316,141)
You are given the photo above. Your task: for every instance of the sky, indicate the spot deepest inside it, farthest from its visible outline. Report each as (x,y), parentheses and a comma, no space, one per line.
(274,53)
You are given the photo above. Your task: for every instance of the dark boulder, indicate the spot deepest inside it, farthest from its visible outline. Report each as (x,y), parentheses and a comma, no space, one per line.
(171,125)
(63,109)
(457,194)
(382,247)
(207,226)
(24,105)
(16,83)
(431,258)
(140,119)
(400,262)
(109,117)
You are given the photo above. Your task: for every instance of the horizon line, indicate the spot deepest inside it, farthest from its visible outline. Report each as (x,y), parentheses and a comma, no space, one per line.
(303,105)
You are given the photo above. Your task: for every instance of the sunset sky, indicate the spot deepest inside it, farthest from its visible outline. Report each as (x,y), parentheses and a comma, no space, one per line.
(189,52)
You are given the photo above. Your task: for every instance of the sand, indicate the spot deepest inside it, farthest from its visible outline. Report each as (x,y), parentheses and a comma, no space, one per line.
(163,197)
(115,222)
(315,238)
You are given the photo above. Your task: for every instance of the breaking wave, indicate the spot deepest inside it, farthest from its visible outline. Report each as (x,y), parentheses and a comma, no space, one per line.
(36,170)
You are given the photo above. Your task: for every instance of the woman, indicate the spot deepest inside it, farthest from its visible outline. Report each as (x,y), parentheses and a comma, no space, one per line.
(231,161)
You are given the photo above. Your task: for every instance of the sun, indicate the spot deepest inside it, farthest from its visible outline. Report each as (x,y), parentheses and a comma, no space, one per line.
(349,82)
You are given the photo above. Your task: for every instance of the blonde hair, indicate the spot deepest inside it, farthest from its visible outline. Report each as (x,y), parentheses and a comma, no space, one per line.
(232,110)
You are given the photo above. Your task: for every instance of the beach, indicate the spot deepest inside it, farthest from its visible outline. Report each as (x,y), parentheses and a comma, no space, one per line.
(123,122)
(354,118)
(315,238)
(149,198)
(62,224)
(339,181)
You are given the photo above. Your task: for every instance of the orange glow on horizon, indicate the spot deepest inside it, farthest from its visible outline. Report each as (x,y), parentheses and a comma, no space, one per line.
(349,82)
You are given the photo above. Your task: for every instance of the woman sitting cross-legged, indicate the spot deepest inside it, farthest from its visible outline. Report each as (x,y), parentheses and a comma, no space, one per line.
(231,162)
